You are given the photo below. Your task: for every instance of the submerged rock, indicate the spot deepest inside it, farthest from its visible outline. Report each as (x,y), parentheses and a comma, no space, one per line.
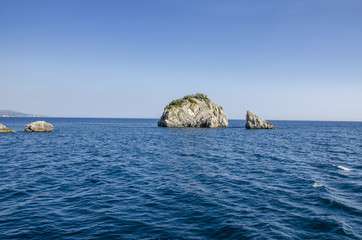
(39,126)
(193,111)
(4,129)
(255,122)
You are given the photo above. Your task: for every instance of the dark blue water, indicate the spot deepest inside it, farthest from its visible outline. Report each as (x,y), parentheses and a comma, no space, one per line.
(128,179)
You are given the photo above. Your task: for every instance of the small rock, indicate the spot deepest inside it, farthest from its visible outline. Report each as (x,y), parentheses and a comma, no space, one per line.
(39,126)
(4,129)
(255,122)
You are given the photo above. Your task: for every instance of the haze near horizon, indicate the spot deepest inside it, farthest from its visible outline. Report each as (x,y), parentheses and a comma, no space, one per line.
(283,60)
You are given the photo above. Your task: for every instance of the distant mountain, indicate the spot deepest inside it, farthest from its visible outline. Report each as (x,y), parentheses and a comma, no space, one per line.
(10,113)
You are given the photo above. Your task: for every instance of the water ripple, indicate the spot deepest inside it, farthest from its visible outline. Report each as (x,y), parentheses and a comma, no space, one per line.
(128,179)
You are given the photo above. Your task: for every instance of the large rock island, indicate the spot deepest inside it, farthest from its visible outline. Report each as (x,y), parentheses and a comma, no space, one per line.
(4,129)
(193,111)
(255,122)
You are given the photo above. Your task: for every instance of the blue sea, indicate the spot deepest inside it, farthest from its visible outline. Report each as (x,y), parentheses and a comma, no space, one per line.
(129,179)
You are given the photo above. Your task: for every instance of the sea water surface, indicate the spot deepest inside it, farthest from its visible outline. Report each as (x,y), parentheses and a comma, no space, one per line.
(129,179)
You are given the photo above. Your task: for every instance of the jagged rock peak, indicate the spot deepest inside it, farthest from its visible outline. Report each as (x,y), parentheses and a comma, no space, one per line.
(255,122)
(193,111)
(39,126)
(4,129)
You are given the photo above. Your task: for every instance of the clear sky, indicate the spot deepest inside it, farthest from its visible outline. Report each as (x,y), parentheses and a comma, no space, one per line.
(282,59)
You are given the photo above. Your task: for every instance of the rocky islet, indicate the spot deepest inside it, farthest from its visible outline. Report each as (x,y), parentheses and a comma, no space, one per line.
(255,122)
(39,126)
(4,129)
(193,111)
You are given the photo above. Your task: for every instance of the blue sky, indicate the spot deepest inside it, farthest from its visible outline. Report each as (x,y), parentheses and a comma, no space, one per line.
(282,59)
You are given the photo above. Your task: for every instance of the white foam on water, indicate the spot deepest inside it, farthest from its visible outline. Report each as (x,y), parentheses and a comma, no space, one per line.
(317,185)
(343,168)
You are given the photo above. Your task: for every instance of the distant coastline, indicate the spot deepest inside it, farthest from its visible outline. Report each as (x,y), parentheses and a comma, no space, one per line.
(11,113)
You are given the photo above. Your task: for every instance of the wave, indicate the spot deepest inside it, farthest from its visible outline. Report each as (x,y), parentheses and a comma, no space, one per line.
(316,185)
(343,168)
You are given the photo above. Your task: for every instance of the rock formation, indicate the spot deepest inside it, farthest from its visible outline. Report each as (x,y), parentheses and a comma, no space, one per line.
(39,126)
(193,111)
(4,129)
(254,122)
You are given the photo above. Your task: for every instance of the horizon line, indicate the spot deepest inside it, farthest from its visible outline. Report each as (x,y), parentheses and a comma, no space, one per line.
(233,119)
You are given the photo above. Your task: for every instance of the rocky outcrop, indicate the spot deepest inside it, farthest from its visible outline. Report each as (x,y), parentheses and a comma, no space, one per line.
(4,129)
(255,122)
(193,111)
(39,126)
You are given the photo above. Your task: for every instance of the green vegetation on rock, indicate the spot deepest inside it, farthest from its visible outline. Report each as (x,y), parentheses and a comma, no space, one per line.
(192,101)
(190,98)
(175,103)
(201,96)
